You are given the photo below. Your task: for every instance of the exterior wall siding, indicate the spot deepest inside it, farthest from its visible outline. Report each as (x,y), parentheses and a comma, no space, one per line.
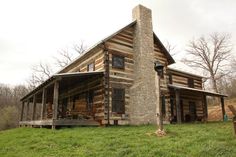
(122,45)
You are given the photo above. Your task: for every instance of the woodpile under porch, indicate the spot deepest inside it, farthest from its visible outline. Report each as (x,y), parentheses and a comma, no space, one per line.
(64,100)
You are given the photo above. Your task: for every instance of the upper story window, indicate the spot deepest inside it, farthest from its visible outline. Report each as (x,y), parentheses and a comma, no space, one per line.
(118,61)
(191,82)
(91,67)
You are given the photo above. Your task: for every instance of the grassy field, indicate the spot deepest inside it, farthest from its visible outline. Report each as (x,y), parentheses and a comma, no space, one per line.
(190,140)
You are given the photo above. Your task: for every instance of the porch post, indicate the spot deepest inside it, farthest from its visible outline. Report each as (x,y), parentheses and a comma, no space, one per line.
(22,110)
(178,110)
(107,85)
(43,104)
(27,110)
(34,107)
(222,106)
(55,102)
(205,107)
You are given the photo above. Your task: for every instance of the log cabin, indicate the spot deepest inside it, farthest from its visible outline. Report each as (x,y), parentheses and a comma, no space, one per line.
(114,83)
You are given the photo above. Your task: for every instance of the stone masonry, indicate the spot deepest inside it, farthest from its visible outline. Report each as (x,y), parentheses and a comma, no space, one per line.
(143,97)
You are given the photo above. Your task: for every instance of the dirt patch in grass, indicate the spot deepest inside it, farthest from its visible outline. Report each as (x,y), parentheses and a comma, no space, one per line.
(215,112)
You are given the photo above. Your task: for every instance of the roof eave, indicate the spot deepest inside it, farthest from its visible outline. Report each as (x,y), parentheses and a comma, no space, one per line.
(197,90)
(97,44)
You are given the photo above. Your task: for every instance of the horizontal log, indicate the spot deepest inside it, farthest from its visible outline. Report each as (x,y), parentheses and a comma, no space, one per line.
(119,48)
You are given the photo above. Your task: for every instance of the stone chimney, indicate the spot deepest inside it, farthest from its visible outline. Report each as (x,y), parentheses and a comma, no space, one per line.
(143,93)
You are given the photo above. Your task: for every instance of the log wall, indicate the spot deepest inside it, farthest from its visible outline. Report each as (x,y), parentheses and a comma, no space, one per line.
(181,79)
(122,45)
(77,97)
(186,97)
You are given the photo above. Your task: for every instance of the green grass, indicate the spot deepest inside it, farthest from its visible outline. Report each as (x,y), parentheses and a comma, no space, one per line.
(190,140)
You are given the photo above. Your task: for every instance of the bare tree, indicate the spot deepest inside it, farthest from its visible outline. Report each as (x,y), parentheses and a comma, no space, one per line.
(43,71)
(170,48)
(212,55)
(65,56)
(80,48)
(40,73)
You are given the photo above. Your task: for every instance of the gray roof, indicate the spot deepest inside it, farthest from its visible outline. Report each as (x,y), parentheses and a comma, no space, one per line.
(183,68)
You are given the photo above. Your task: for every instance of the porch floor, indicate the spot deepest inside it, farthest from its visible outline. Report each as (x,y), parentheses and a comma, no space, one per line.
(61,122)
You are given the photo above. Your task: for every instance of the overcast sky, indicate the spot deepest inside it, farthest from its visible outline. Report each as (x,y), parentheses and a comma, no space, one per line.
(32,31)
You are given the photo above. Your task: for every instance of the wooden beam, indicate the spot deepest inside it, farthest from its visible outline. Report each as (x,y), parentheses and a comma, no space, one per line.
(55,99)
(22,111)
(159,102)
(43,104)
(27,110)
(34,107)
(222,106)
(205,107)
(178,109)
(107,85)
(55,103)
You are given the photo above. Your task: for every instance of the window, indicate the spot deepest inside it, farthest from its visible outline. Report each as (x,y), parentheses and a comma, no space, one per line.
(90,67)
(118,100)
(118,62)
(190,82)
(170,78)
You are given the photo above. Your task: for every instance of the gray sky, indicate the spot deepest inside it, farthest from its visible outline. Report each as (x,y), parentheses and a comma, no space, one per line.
(32,31)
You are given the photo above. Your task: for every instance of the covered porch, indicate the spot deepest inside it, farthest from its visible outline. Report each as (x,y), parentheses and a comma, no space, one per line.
(190,104)
(64,100)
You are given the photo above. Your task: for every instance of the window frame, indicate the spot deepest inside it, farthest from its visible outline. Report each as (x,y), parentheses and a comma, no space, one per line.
(117,101)
(120,57)
(88,66)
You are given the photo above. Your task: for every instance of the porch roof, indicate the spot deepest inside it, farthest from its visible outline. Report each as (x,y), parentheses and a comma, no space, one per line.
(61,76)
(197,90)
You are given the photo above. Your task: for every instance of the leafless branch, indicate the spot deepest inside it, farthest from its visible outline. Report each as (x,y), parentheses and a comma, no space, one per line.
(211,54)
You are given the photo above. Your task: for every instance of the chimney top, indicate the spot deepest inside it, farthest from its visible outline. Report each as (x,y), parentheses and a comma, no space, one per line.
(139,12)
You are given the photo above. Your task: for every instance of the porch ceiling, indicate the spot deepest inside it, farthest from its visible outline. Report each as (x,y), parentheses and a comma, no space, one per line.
(63,77)
(197,90)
